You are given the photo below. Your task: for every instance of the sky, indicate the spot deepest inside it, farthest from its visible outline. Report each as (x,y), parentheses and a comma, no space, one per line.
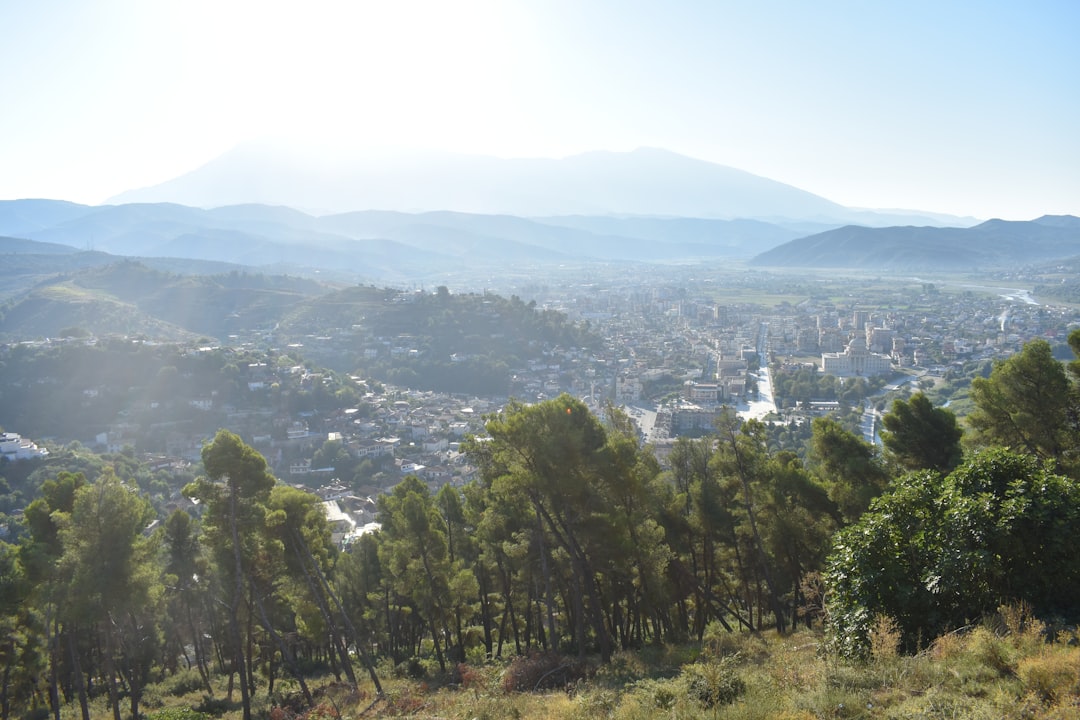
(966,107)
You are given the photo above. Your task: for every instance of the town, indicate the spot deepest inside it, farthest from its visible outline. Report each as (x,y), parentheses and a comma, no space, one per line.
(672,352)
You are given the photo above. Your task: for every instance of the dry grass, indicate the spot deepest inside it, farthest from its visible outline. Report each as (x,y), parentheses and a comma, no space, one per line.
(885,636)
(1004,669)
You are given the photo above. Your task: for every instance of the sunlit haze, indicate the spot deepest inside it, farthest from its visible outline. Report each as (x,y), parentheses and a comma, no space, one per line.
(969,108)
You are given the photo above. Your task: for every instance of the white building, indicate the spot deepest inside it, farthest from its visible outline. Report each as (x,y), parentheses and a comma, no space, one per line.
(344,526)
(14,447)
(855,361)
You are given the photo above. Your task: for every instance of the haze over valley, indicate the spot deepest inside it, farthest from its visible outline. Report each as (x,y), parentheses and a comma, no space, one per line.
(542,359)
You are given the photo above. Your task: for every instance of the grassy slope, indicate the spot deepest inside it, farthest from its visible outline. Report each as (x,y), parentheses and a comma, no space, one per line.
(1003,669)
(49,309)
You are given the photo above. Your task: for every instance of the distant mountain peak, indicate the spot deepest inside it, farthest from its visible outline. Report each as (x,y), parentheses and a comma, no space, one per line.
(1065,221)
(646,181)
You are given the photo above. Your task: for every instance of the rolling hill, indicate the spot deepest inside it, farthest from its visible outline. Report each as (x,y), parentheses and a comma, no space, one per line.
(27,263)
(129,298)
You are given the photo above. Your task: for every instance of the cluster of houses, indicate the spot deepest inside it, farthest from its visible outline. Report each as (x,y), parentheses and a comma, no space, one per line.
(676,331)
(953,328)
(416,432)
(348,514)
(15,447)
(671,339)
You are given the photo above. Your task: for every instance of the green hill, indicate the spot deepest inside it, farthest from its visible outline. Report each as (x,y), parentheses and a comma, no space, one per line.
(992,244)
(455,343)
(129,298)
(442,341)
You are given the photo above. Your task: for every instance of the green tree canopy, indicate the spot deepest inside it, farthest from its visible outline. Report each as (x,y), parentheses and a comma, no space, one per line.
(848,466)
(1026,405)
(919,436)
(235,492)
(936,553)
(586,492)
(114,582)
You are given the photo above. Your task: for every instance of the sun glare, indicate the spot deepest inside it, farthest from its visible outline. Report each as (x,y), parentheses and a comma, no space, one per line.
(352,75)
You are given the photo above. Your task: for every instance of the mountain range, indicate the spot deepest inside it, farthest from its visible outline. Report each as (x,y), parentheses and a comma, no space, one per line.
(991,245)
(643,182)
(39,237)
(378,246)
(439,218)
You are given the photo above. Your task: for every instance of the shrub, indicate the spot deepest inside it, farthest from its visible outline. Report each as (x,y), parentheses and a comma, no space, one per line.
(413,668)
(713,683)
(539,671)
(182,683)
(717,642)
(600,703)
(947,646)
(623,668)
(1048,677)
(214,706)
(662,694)
(1026,632)
(991,651)
(322,711)
(468,676)
(176,713)
(404,703)
(885,637)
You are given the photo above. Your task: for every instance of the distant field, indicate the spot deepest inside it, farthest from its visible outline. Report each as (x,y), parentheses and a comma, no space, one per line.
(767,298)
(772,288)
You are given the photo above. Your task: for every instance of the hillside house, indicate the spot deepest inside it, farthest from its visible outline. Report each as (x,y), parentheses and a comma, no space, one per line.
(15,447)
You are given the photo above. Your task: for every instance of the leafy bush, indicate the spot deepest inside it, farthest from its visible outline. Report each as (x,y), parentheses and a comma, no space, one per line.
(934,552)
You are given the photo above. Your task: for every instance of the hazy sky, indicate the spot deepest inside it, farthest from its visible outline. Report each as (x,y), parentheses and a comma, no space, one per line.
(964,107)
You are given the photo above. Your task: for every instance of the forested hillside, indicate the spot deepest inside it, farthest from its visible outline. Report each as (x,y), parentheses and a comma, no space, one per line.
(449,342)
(574,548)
(80,388)
(459,343)
(130,298)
